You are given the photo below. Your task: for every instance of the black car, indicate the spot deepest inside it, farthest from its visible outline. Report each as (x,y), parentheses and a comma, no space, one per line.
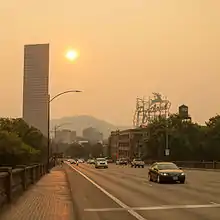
(166,172)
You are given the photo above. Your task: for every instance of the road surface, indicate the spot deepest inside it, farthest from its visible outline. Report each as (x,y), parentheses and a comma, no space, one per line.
(124,193)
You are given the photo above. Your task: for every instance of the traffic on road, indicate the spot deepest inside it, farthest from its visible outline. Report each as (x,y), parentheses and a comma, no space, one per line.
(124,193)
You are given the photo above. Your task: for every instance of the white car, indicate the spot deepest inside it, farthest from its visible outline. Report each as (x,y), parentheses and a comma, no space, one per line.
(137,163)
(101,163)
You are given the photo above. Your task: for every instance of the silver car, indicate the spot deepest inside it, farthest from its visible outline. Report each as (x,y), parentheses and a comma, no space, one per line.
(101,163)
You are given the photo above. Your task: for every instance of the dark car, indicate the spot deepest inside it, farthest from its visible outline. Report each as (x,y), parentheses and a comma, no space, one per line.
(109,160)
(166,172)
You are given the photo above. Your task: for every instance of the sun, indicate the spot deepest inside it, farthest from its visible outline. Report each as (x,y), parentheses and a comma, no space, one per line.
(72,55)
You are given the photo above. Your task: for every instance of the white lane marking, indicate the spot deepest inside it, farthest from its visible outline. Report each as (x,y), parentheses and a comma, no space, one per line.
(151,208)
(214,203)
(178,207)
(106,210)
(116,200)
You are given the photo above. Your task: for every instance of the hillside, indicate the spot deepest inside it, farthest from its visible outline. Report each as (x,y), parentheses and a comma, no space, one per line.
(78,123)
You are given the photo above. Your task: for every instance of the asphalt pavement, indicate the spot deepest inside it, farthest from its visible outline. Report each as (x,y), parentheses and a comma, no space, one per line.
(124,193)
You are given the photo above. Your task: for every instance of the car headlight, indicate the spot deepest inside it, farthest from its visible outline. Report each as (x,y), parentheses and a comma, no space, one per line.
(164,174)
(182,174)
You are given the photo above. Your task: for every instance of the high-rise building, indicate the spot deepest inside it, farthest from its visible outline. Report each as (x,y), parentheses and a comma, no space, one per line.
(92,134)
(35,86)
(65,136)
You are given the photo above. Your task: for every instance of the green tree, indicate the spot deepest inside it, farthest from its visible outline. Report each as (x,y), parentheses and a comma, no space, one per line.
(155,145)
(186,139)
(212,146)
(20,143)
(13,151)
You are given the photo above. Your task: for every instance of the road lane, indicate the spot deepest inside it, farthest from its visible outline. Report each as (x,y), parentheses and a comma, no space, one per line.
(85,195)
(131,186)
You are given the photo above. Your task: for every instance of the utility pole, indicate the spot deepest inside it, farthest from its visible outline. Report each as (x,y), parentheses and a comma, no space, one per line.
(167,150)
(55,138)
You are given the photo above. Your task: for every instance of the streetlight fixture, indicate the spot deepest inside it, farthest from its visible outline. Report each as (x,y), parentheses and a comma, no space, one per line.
(48,121)
(59,126)
(56,127)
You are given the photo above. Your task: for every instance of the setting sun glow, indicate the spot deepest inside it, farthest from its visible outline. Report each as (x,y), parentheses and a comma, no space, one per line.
(72,55)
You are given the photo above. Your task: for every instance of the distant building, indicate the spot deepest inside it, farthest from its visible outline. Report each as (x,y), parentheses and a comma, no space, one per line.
(127,143)
(35,86)
(65,136)
(92,134)
(105,148)
(113,144)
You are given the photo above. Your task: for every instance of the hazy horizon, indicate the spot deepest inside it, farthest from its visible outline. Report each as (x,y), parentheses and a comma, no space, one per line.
(128,48)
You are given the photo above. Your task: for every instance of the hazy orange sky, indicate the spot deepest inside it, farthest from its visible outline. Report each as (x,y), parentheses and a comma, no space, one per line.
(128,48)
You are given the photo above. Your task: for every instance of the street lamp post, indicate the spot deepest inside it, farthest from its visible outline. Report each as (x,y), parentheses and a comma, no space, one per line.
(48,123)
(58,126)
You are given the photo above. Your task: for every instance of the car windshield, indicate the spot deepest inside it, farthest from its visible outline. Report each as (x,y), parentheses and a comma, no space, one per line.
(169,166)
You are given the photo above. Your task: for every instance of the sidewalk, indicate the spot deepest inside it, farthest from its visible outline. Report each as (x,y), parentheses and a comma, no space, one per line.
(49,199)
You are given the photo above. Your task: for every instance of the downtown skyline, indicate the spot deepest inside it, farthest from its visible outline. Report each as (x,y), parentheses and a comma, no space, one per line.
(127,49)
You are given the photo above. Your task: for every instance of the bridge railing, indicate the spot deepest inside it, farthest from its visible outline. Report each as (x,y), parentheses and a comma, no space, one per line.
(193,164)
(198,164)
(14,181)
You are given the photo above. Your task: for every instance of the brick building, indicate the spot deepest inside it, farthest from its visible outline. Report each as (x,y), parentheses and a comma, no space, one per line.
(127,143)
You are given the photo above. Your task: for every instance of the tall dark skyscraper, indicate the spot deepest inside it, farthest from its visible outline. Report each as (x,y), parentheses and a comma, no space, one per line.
(35,86)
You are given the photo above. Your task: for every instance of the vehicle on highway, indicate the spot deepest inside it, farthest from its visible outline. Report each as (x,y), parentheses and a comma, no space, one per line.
(122,161)
(91,161)
(73,161)
(81,160)
(137,162)
(166,172)
(101,163)
(109,160)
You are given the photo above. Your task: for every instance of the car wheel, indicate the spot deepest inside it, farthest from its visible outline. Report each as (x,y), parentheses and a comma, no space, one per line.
(182,181)
(149,178)
(135,166)
(142,166)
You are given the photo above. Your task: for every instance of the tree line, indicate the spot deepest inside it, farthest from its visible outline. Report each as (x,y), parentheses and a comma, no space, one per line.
(186,140)
(20,143)
(23,144)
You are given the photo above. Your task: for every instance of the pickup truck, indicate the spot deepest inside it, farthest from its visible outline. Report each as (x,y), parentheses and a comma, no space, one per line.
(137,163)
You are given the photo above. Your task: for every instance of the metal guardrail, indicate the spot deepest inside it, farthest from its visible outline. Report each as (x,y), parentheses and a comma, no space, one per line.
(193,164)
(198,164)
(14,181)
